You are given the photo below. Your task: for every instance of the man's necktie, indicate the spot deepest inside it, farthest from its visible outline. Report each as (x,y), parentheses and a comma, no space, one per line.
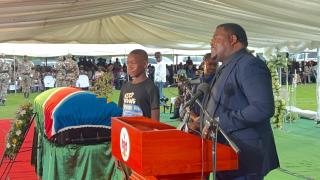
(214,80)
(208,95)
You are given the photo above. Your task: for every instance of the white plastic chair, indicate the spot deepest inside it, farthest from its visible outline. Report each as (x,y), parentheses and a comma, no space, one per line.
(83,81)
(49,81)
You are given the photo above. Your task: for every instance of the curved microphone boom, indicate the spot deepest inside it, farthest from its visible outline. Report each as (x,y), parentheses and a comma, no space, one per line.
(202,89)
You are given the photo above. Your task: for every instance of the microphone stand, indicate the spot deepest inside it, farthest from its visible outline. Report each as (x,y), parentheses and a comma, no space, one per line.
(212,125)
(215,123)
(214,139)
(183,126)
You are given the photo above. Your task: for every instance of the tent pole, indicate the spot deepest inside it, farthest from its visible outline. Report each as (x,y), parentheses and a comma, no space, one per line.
(14,74)
(318,88)
(287,75)
(173,64)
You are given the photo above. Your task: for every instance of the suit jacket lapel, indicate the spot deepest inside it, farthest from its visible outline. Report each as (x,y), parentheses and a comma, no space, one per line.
(221,81)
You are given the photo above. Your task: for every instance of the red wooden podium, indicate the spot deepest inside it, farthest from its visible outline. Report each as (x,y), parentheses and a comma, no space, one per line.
(154,150)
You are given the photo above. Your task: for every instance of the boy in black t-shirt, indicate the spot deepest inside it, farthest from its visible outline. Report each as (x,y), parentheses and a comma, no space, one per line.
(139,97)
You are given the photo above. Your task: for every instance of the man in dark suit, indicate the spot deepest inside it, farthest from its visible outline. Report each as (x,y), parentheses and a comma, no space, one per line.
(241,96)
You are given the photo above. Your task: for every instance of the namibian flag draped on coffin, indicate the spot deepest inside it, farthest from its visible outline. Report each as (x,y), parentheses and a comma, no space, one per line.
(65,108)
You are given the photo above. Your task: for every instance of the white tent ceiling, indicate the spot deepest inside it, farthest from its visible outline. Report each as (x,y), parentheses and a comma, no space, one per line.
(178,24)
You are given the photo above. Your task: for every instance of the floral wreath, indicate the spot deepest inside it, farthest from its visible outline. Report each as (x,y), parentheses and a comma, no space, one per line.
(18,130)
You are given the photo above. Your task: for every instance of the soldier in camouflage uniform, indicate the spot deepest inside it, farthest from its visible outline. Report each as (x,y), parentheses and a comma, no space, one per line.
(25,71)
(60,72)
(72,71)
(4,79)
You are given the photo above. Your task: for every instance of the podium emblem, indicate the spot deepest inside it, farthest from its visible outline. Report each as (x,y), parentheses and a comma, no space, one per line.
(124,144)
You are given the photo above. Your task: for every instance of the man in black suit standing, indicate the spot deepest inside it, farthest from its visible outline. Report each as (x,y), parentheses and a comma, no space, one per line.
(241,96)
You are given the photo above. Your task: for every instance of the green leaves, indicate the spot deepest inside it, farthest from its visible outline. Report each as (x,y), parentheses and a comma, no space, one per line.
(103,85)
(276,62)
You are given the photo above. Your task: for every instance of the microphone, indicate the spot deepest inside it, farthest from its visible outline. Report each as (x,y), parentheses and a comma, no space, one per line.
(202,89)
(209,121)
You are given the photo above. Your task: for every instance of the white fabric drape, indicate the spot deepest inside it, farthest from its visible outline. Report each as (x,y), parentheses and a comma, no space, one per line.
(179,24)
(318,86)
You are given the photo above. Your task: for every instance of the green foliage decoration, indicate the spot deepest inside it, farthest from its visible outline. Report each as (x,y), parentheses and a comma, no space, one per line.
(276,62)
(103,85)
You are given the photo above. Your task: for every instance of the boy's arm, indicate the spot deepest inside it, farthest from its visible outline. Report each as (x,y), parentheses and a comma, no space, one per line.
(120,101)
(155,102)
(155,114)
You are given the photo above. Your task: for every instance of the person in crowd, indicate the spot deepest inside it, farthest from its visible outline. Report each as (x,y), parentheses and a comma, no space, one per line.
(60,72)
(125,73)
(160,74)
(25,71)
(72,71)
(82,70)
(81,61)
(117,73)
(99,72)
(189,60)
(210,65)
(139,97)
(150,72)
(170,73)
(101,62)
(179,100)
(90,68)
(307,72)
(109,62)
(181,71)
(191,73)
(36,79)
(109,69)
(5,70)
(241,97)
(180,78)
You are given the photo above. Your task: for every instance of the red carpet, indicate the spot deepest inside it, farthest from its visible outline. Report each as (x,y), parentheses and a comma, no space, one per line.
(21,168)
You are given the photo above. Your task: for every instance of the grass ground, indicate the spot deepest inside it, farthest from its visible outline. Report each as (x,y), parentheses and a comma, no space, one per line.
(305,99)
(297,145)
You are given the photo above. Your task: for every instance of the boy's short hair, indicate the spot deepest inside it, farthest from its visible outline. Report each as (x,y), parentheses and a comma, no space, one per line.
(141,53)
